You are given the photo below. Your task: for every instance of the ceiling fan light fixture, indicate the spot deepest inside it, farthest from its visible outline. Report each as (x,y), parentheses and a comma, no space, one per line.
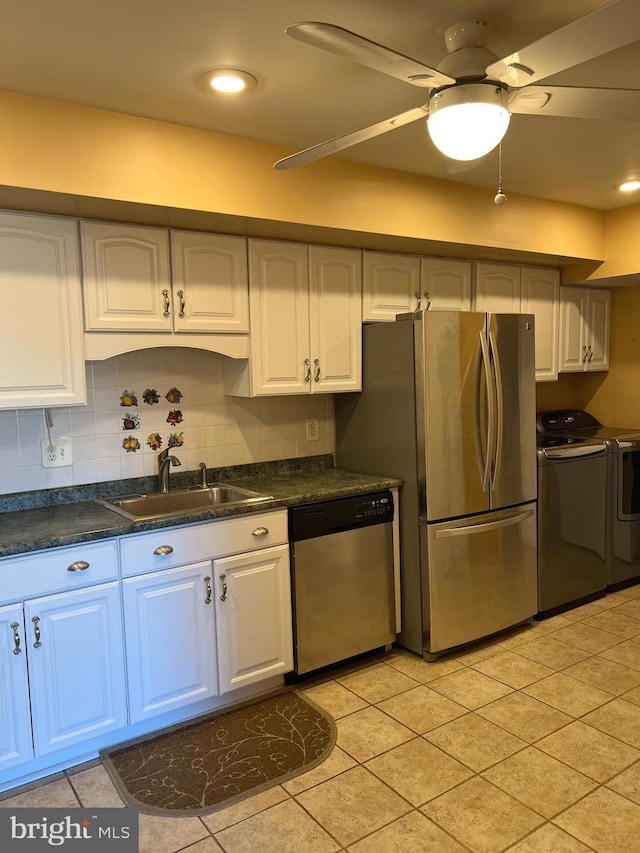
(228,81)
(467,121)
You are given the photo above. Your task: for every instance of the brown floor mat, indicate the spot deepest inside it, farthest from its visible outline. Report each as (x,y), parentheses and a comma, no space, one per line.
(220,759)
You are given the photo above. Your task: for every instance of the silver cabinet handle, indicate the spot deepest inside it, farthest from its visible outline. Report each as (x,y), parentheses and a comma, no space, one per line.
(223,578)
(207,583)
(590,353)
(260,531)
(418,301)
(428,300)
(307,370)
(585,352)
(316,376)
(78,566)
(163,550)
(167,303)
(16,638)
(36,632)
(183,304)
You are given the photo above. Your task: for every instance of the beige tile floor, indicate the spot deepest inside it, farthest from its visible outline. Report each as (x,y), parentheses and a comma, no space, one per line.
(528,743)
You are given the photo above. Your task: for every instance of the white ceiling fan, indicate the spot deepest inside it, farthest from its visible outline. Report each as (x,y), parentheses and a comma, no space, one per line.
(473,92)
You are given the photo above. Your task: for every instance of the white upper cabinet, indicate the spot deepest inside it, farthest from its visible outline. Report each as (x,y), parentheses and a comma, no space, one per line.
(540,296)
(126,279)
(391,285)
(305,308)
(43,363)
(210,288)
(497,288)
(131,285)
(445,284)
(399,284)
(335,319)
(509,289)
(584,330)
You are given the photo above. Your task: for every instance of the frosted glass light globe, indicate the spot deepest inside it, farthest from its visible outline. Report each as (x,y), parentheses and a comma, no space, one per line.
(466,122)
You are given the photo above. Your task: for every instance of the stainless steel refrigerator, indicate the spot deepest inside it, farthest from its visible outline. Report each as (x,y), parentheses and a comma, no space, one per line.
(448,405)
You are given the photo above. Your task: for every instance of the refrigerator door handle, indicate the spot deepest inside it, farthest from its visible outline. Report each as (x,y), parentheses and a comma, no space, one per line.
(499,409)
(466,529)
(485,458)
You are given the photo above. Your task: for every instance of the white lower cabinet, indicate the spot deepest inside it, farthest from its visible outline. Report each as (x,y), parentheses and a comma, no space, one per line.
(89,647)
(170,631)
(253,616)
(207,609)
(16,744)
(62,675)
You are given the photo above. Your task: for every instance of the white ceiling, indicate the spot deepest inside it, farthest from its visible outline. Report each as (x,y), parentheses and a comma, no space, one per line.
(143,57)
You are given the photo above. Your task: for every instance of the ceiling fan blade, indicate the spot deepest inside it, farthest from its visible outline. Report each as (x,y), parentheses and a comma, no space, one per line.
(324,149)
(573,102)
(604,30)
(351,46)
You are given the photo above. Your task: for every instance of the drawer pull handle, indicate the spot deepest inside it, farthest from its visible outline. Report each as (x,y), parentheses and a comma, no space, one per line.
(261,531)
(223,578)
(163,550)
(183,304)
(16,638)
(78,566)
(207,583)
(316,375)
(307,370)
(36,631)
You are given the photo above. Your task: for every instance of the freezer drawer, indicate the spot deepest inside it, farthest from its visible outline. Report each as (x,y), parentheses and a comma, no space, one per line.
(481,576)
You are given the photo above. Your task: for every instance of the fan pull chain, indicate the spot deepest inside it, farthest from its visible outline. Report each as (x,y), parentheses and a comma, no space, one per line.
(500,197)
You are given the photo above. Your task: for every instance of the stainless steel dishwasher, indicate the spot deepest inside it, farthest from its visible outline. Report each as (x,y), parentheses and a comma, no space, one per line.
(342,578)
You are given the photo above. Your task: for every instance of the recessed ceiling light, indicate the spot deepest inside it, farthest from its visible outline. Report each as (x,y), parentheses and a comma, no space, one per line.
(229,81)
(629,186)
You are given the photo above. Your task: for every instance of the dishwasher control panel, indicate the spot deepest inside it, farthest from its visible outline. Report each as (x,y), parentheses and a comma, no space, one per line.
(376,506)
(348,513)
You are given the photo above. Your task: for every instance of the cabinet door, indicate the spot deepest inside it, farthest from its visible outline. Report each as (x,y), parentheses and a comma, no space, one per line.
(598,319)
(573,344)
(43,363)
(76,666)
(210,287)
(253,616)
(391,285)
(15,712)
(171,651)
(540,296)
(446,284)
(497,288)
(279,309)
(126,278)
(335,319)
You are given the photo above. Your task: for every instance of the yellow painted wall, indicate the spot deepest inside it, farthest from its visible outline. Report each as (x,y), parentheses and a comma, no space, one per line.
(58,147)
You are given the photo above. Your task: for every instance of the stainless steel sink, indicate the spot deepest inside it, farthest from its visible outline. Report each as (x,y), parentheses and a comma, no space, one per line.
(138,507)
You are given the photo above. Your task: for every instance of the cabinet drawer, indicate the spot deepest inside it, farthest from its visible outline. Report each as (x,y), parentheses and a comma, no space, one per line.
(58,570)
(179,546)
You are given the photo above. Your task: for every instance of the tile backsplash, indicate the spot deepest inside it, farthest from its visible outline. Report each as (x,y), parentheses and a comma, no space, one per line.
(120,431)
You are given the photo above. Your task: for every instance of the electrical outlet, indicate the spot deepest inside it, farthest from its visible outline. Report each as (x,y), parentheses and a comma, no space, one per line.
(56,453)
(313,429)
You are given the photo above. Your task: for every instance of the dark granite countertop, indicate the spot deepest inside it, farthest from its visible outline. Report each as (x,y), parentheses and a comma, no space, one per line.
(33,521)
